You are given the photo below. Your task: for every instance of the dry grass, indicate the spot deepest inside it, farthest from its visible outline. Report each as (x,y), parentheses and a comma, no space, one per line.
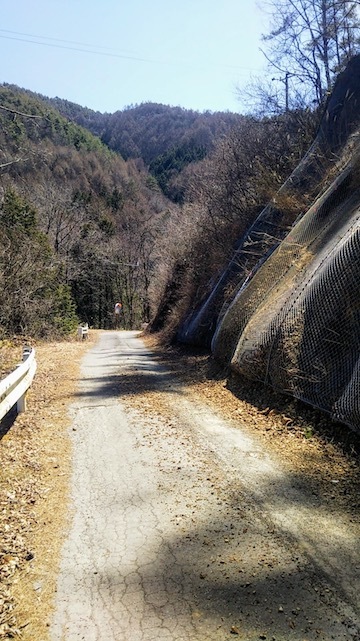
(35,460)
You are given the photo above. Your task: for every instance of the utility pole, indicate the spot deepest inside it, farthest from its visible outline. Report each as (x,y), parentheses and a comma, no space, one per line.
(286,82)
(287,91)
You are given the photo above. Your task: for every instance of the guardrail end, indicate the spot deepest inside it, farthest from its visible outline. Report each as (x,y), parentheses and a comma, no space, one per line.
(26,352)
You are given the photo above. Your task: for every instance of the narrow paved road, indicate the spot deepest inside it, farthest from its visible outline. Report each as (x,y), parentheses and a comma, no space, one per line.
(183,528)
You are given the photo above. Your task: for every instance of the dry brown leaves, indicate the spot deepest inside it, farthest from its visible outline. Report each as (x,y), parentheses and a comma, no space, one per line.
(34,474)
(323,455)
(35,461)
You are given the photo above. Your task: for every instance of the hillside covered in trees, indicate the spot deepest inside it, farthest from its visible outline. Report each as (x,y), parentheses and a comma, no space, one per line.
(105,224)
(167,139)
(78,223)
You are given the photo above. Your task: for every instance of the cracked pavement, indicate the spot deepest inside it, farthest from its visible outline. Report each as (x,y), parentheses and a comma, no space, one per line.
(183,528)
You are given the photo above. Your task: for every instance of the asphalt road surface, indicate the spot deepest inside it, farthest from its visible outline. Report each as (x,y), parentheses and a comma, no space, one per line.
(184,529)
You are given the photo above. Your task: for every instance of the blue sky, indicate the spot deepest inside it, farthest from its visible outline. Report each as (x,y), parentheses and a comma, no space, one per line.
(108,54)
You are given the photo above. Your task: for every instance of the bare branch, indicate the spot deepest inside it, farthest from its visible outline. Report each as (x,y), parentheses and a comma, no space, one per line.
(20,113)
(12,162)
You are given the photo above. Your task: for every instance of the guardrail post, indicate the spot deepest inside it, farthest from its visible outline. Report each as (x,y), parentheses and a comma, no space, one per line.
(21,403)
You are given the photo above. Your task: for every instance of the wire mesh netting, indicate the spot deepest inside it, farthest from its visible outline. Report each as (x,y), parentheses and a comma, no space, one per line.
(294,317)
(297,321)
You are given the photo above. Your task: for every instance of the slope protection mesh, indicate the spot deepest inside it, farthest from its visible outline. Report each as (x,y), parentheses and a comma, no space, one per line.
(292,319)
(296,326)
(338,124)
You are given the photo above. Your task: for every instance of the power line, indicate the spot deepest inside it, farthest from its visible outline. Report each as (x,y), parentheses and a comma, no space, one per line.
(98,53)
(72,42)
(111,53)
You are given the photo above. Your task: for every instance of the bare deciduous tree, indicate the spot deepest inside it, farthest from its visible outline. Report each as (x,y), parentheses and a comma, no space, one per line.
(308,43)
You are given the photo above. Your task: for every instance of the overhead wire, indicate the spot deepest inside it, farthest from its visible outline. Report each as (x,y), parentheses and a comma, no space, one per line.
(58,46)
(95,50)
(72,42)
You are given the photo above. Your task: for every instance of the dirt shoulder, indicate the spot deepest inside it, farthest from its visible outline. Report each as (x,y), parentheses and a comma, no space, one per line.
(323,453)
(35,459)
(35,465)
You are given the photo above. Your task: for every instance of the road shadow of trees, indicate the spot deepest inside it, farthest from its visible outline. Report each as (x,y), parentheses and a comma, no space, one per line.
(238,573)
(200,365)
(245,585)
(174,368)
(225,564)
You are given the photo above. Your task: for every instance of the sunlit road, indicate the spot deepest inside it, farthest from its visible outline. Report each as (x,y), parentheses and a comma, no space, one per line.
(183,529)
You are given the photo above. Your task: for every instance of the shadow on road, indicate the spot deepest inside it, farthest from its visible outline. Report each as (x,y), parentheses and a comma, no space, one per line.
(229,548)
(128,384)
(237,577)
(7,422)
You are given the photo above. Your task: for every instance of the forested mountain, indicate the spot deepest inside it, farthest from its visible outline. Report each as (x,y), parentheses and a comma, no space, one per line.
(79,223)
(103,225)
(166,138)
(149,130)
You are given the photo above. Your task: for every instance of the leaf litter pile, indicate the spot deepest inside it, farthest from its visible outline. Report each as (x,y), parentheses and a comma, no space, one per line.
(326,454)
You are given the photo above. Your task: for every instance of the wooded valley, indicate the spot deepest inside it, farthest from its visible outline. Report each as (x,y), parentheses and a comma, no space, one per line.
(148,222)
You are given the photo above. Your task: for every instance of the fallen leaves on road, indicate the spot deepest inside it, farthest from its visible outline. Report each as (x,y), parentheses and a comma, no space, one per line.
(321,451)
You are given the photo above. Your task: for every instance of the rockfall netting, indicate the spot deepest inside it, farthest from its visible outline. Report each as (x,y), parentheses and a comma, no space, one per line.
(293,317)
(340,120)
(296,325)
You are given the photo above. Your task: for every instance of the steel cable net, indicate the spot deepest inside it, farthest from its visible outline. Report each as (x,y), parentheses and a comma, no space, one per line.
(294,317)
(339,122)
(267,231)
(296,326)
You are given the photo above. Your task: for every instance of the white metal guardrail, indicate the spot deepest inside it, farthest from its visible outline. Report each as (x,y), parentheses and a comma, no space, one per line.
(83,331)
(13,388)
